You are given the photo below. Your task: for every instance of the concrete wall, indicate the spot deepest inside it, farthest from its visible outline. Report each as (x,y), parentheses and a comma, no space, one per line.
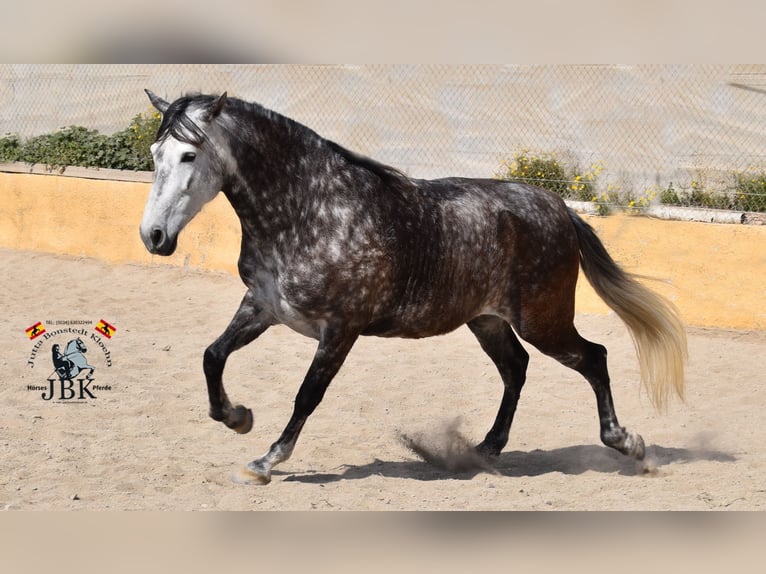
(716,274)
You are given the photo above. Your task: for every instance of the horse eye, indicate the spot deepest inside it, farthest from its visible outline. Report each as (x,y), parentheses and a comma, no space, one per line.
(188,156)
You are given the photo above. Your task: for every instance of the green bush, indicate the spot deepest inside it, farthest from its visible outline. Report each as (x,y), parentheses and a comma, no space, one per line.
(750,191)
(569,180)
(9,148)
(696,195)
(78,146)
(741,191)
(547,171)
(746,192)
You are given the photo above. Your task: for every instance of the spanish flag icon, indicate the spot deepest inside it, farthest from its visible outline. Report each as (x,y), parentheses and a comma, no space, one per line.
(35,330)
(105,329)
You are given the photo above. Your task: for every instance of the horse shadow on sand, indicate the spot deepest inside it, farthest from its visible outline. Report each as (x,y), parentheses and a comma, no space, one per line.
(461,462)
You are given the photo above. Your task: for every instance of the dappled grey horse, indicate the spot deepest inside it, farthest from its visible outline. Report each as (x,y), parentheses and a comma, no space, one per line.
(336,245)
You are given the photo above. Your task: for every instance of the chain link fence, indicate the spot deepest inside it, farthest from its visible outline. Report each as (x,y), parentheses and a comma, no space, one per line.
(617,135)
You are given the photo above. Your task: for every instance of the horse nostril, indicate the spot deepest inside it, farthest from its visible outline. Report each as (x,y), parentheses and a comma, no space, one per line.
(156,237)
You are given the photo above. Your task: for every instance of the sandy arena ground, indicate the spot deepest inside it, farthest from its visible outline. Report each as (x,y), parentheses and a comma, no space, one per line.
(147,443)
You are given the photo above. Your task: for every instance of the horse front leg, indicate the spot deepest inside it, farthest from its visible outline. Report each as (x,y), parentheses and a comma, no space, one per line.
(334,345)
(248,323)
(511,359)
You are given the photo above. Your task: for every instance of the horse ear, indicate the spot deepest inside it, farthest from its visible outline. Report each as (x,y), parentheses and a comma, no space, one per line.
(157,101)
(216,108)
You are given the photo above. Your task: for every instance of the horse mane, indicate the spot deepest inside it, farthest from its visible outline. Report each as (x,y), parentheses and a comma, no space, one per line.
(177,124)
(383,171)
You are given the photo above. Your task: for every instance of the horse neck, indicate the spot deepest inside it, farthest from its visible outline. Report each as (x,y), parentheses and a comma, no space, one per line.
(284,171)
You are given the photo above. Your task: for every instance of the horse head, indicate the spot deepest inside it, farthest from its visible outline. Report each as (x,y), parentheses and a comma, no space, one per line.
(80,346)
(188,168)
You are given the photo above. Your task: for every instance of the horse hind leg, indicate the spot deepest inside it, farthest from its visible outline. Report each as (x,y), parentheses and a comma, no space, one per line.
(91,370)
(499,341)
(593,366)
(589,359)
(248,323)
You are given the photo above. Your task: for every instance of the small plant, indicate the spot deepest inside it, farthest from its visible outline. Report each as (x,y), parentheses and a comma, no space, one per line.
(546,170)
(669,196)
(9,147)
(750,191)
(542,169)
(700,195)
(625,200)
(583,186)
(142,132)
(604,201)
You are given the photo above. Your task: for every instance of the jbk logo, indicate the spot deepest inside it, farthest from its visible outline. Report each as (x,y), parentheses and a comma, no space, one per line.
(68,389)
(72,378)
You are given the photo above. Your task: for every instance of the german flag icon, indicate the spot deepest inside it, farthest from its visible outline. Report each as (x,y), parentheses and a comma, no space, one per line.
(35,330)
(105,329)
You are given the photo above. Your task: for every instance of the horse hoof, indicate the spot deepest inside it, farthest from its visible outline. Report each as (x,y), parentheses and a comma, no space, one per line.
(487,451)
(634,446)
(248,475)
(242,420)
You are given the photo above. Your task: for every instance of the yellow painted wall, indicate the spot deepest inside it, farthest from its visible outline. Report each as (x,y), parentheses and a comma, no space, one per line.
(716,274)
(100,218)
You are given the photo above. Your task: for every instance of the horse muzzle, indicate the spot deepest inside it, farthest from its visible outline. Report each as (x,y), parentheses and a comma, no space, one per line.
(158,242)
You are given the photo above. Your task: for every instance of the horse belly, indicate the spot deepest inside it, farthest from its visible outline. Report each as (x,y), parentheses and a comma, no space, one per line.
(396,327)
(435,308)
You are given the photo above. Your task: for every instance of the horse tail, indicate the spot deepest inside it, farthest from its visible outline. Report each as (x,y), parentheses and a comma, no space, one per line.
(652,320)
